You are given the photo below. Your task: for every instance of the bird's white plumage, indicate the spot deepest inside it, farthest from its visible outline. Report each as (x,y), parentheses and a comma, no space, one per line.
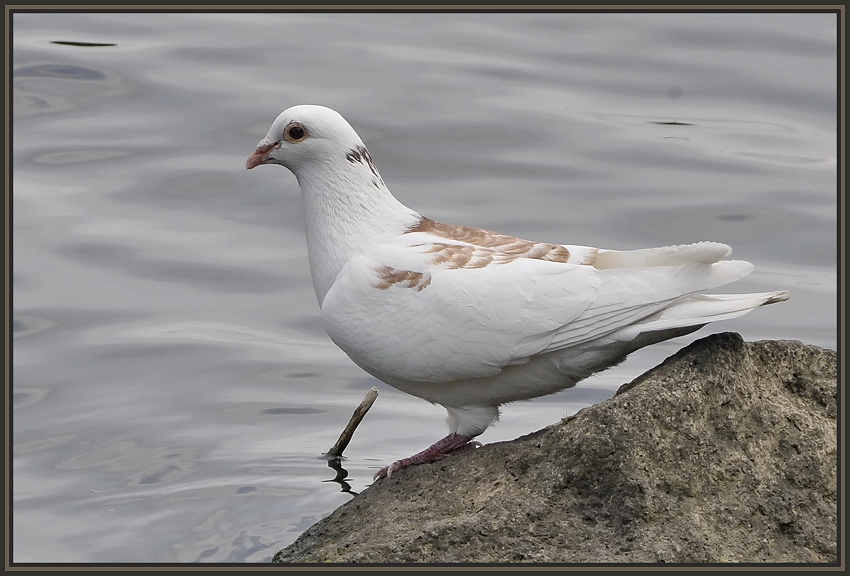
(470,323)
(472,319)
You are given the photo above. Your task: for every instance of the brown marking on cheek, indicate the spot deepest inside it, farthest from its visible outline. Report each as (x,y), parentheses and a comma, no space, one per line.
(360,154)
(354,156)
(486,247)
(390,276)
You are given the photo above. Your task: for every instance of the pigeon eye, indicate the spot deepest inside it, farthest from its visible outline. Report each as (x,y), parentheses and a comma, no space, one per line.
(295,132)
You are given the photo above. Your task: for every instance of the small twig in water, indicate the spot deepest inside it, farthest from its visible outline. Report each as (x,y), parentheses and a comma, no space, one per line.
(359,413)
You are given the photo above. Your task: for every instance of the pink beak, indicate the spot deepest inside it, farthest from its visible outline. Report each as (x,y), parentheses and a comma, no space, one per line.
(261,154)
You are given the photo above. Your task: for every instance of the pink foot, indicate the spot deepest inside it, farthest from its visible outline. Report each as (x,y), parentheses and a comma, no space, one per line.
(452,443)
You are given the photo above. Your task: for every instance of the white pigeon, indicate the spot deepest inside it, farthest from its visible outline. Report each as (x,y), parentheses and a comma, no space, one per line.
(471,319)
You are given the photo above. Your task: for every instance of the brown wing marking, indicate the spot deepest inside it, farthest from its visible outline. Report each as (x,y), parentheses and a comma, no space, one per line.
(390,276)
(484,247)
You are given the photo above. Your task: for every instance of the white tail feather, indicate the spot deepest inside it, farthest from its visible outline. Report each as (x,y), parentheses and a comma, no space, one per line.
(699,253)
(701,309)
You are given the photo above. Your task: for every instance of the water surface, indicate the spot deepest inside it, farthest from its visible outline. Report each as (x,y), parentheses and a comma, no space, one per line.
(173,388)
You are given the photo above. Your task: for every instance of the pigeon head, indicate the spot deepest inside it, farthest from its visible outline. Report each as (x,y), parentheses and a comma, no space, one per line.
(305,134)
(347,207)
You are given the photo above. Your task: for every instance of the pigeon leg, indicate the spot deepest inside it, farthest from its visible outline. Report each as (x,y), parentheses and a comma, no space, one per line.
(452,443)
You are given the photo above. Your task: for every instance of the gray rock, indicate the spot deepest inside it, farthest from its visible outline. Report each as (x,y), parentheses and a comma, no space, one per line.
(726,452)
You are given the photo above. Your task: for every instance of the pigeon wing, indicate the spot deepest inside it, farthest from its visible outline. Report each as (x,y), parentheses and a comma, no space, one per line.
(401,311)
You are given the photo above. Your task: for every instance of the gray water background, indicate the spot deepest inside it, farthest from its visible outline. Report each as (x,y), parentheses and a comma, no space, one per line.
(173,388)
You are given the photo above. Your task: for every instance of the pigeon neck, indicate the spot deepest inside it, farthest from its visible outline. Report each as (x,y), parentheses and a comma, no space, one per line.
(348,210)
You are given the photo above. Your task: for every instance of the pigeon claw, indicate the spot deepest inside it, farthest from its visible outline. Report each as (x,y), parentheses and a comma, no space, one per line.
(451,444)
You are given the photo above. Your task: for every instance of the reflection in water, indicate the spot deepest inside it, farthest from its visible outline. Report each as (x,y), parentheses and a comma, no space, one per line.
(782,158)
(722,222)
(59,71)
(27,103)
(29,325)
(341,475)
(27,396)
(77,156)
(733,217)
(82,44)
(297,410)
(732,125)
(59,86)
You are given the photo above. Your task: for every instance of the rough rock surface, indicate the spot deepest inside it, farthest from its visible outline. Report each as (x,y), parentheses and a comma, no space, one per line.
(726,452)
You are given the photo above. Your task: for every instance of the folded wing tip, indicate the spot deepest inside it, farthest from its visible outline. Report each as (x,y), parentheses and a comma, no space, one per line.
(780,296)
